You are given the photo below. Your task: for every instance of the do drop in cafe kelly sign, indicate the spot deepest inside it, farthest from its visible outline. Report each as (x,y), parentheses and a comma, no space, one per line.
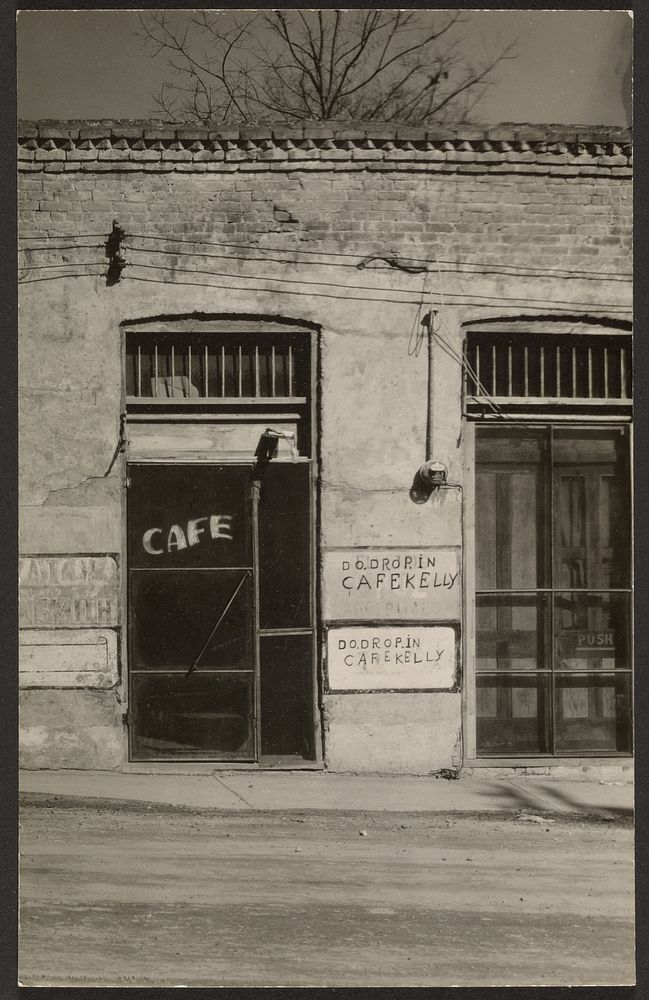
(417,584)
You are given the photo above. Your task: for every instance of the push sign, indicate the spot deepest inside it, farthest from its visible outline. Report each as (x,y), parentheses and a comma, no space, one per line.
(589,642)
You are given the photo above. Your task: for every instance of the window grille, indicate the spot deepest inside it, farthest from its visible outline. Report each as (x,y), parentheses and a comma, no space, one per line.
(207,368)
(520,370)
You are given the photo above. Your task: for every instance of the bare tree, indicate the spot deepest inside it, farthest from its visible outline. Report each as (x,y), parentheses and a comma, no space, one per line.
(370,65)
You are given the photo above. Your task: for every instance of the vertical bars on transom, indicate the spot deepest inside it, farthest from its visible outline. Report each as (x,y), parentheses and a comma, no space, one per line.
(219,367)
(519,368)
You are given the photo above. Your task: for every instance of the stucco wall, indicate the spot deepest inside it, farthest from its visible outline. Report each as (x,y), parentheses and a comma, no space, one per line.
(519,242)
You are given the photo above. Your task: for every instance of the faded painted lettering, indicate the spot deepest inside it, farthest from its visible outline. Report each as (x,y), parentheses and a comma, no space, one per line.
(60,591)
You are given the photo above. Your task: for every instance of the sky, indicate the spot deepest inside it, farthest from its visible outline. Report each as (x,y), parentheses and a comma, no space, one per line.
(571,67)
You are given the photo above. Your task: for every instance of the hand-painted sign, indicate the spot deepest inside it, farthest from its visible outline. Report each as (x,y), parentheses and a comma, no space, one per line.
(366,657)
(155,541)
(60,591)
(419,584)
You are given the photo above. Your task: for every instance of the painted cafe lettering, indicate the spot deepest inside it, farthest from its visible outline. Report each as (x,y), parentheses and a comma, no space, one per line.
(156,542)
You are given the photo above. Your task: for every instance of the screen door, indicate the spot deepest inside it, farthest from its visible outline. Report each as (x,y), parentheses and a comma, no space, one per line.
(220,612)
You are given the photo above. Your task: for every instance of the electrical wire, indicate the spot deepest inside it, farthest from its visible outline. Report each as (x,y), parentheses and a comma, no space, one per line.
(477,300)
(496,268)
(463,361)
(72,246)
(263,288)
(78,263)
(267,277)
(57,277)
(513,270)
(248,257)
(316,263)
(448,347)
(552,305)
(69,236)
(415,347)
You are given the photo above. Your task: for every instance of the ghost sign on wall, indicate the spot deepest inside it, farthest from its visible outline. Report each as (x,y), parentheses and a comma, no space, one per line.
(60,591)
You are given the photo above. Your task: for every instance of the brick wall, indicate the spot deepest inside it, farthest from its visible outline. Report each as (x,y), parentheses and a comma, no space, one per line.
(538,221)
(538,197)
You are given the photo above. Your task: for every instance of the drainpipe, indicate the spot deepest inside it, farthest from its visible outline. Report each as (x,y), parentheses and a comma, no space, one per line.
(430,434)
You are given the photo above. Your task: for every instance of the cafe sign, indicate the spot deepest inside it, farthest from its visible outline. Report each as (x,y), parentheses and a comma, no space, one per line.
(420,584)
(391,657)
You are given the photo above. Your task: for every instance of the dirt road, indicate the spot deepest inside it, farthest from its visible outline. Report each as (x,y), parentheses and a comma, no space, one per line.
(123,897)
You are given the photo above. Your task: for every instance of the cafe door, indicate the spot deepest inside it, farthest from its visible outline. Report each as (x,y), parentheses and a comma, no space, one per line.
(220,612)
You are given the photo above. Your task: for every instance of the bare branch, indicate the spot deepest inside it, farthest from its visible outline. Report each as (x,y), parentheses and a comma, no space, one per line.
(390,65)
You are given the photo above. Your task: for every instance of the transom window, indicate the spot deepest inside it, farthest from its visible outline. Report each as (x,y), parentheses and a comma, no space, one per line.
(521,369)
(216,367)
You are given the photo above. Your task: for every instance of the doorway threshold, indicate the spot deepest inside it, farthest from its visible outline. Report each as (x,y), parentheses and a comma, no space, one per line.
(210,767)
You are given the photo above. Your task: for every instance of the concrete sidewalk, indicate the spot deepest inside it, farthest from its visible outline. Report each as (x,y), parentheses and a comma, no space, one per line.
(310,791)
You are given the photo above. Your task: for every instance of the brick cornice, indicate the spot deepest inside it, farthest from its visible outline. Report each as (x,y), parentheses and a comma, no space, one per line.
(155,146)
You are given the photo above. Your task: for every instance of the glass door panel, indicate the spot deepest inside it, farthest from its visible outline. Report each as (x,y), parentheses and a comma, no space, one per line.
(174,614)
(592,631)
(592,509)
(203,715)
(512,713)
(511,632)
(593,713)
(285,547)
(510,510)
(286,697)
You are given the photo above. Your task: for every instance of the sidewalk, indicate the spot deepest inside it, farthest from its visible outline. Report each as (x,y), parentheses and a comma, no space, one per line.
(307,791)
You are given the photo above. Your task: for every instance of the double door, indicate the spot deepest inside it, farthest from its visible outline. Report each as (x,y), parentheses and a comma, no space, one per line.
(553,591)
(220,612)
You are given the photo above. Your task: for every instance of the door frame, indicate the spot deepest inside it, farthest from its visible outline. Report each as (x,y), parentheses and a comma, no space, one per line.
(470,756)
(188,765)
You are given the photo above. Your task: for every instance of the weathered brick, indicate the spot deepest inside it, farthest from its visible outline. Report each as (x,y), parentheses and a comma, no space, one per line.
(145,155)
(113,154)
(191,167)
(94,134)
(529,209)
(176,156)
(77,155)
(47,155)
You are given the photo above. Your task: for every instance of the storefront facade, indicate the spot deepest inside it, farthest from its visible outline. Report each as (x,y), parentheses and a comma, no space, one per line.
(326,451)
